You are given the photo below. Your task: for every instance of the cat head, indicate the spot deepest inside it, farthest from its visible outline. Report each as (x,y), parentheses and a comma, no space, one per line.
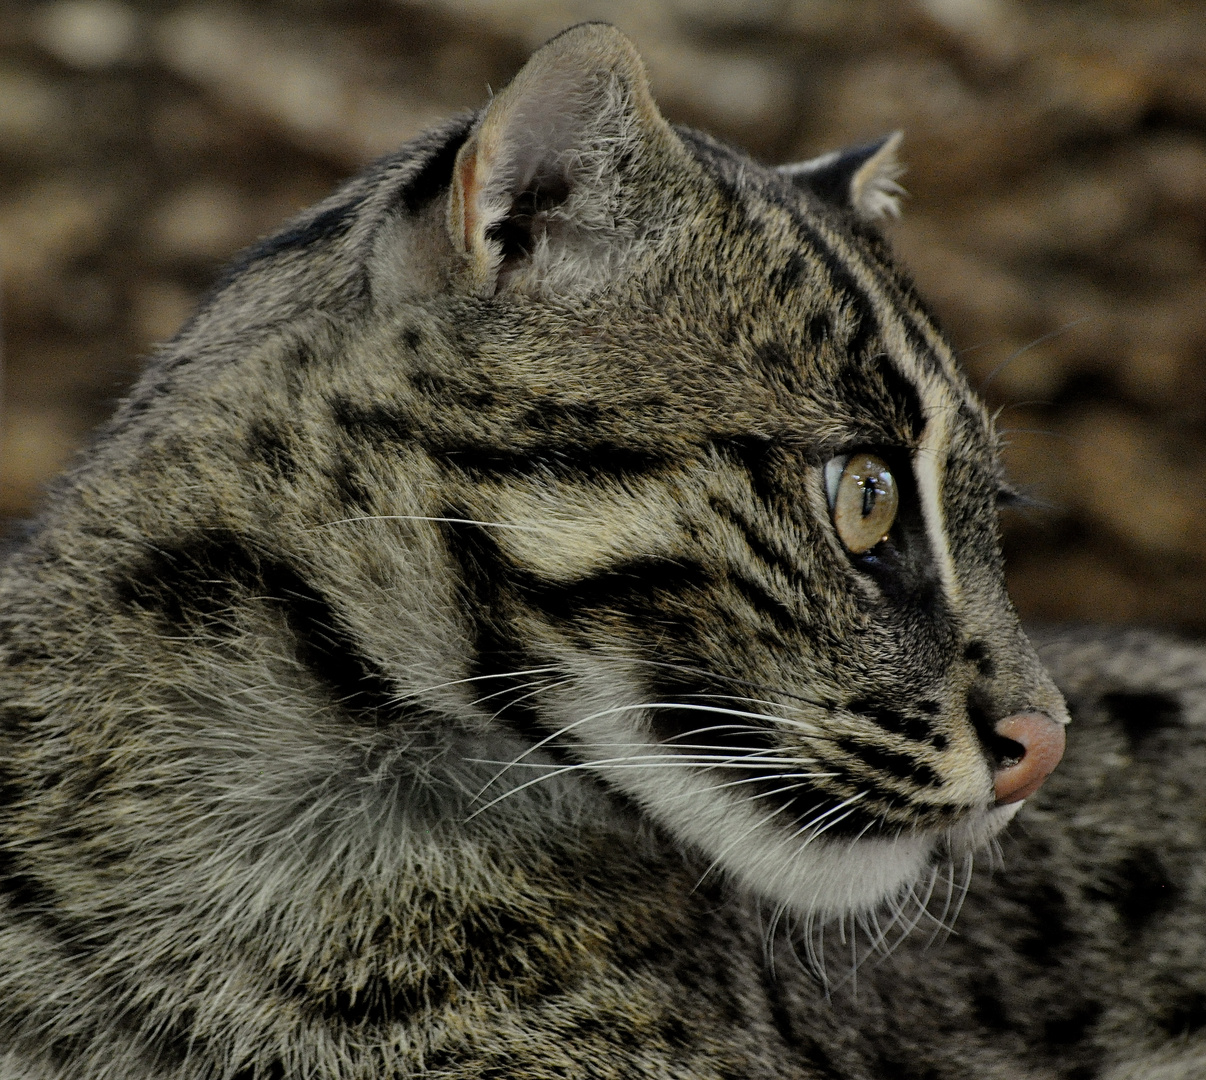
(674,480)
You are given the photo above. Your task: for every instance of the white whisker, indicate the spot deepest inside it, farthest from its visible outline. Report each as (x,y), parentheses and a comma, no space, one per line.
(423,517)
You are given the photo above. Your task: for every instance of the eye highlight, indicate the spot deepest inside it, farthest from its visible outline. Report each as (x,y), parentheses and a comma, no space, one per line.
(863,499)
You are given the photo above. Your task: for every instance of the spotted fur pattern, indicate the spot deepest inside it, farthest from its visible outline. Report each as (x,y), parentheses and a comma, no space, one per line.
(445,662)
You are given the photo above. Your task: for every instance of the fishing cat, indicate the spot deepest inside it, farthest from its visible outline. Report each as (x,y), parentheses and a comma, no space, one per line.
(543,617)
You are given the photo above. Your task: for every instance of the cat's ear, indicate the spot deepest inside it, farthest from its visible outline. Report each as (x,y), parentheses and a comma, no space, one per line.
(862,179)
(542,197)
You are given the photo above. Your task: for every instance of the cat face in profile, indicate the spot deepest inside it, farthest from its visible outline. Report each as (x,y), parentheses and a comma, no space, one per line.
(591,438)
(706,465)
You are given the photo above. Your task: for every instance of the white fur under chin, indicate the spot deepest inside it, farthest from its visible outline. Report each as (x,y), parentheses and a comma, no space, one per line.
(808,872)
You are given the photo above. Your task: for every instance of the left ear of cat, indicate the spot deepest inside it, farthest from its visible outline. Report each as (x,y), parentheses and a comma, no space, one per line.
(544,194)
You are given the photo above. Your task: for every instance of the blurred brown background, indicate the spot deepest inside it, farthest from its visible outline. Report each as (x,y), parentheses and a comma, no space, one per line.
(1057,219)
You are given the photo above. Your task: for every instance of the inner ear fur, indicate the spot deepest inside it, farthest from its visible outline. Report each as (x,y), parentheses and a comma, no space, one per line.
(541,198)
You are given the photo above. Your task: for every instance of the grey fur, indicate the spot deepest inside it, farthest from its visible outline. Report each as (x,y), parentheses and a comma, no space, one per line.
(335,677)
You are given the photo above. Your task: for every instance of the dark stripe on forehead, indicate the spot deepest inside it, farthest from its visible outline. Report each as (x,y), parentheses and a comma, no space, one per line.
(847,291)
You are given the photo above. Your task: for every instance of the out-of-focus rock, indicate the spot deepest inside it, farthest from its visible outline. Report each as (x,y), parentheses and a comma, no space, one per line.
(734,88)
(1092,587)
(33,112)
(202,222)
(89,33)
(34,445)
(45,227)
(312,88)
(1148,492)
(160,307)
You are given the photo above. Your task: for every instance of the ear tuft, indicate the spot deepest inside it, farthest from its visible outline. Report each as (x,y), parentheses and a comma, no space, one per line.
(539,199)
(862,179)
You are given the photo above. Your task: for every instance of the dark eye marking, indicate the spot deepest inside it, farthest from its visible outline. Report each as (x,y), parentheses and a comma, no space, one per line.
(903,395)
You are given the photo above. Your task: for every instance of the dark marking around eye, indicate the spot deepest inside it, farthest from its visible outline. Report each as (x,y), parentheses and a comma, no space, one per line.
(1143,715)
(903,394)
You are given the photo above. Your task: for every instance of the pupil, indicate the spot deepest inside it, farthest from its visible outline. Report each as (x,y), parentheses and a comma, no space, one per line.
(869,496)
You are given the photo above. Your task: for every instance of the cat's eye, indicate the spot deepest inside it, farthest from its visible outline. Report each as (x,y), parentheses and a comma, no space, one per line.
(863,499)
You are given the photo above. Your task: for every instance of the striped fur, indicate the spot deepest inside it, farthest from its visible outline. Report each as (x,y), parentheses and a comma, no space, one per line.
(445,658)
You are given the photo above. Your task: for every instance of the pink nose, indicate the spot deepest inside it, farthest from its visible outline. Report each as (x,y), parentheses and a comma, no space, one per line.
(1042,743)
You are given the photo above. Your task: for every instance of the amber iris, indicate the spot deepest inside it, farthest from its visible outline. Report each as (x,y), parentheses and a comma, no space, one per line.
(864,503)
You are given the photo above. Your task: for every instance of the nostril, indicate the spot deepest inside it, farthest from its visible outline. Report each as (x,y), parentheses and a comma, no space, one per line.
(1026,748)
(1006,753)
